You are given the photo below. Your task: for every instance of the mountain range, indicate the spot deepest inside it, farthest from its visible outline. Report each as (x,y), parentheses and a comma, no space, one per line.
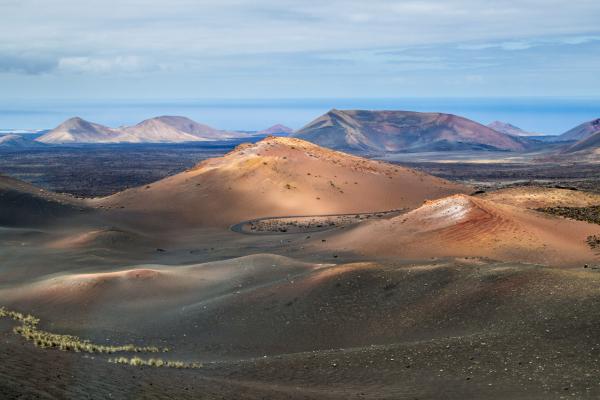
(357,131)
(398,131)
(164,129)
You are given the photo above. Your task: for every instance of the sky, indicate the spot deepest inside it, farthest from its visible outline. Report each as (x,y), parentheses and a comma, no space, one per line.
(271,49)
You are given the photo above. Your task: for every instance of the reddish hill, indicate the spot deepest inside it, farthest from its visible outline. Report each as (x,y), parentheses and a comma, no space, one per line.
(279,177)
(465,226)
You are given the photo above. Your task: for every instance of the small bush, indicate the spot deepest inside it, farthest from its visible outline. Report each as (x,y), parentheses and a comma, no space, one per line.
(589,214)
(594,241)
(154,362)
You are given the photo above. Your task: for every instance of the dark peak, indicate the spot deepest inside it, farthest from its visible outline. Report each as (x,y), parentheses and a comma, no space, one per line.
(504,126)
(76,121)
(170,120)
(277,129)
(278,126)
(172,117)
(502,123)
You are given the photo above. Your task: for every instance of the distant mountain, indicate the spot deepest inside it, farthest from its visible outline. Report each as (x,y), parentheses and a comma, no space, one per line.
(276,130)
(165,129)
(393,131)
(162,129)
(582,131)
(12,141)
(591,143)
(77,130)
(173,129)
(509,129)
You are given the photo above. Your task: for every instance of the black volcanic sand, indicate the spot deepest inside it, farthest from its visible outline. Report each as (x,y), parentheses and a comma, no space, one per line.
(444,329)
(495,175)
(478,366)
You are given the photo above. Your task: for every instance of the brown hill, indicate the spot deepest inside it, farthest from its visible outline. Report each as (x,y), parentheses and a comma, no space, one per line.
(392,131)
(462,225)
(278,177)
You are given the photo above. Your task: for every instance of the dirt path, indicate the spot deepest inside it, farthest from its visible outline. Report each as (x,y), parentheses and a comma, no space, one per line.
(307,223)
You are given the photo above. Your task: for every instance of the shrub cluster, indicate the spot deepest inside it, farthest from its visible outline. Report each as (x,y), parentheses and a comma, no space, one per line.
(42,339)
(17,316)
(45,339)
(154,362)
(589,214)
(594,241)
(29,331)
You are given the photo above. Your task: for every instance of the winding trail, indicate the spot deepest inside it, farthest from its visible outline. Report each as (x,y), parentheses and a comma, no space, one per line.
(239,227)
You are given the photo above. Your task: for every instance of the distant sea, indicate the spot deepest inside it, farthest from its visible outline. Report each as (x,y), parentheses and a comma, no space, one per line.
(544,115)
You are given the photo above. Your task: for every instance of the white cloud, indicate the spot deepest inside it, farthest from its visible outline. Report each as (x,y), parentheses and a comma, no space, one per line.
(528,44)
(520,45)
(291,47)
(479,46)
(101,65)
(516,45)
(184,27)
(580,39)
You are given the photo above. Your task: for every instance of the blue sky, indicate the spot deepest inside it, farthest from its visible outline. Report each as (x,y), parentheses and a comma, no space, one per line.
(183,49)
